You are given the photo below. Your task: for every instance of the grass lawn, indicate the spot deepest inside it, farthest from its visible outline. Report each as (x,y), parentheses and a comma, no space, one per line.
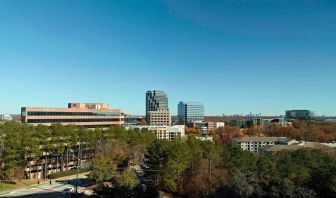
(8,185)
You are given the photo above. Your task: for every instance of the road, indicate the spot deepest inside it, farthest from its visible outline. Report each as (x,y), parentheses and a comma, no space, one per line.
(56,190)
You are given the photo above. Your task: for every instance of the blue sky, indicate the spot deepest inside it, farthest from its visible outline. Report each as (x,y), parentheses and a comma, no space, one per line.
(234,56)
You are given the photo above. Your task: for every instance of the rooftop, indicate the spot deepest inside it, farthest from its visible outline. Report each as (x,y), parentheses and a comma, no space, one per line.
(294,147)
(261,139)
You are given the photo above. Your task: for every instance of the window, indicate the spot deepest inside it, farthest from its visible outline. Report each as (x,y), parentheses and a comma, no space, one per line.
(46,113)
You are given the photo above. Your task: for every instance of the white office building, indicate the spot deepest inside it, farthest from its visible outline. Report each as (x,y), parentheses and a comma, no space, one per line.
(6,117)
(254,143)
(163,132)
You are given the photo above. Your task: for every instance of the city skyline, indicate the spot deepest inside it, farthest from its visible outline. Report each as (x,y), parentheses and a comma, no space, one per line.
(234,57)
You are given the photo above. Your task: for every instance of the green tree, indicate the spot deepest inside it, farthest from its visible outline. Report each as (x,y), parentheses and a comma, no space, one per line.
(103,168)
(155,160)
(127,179)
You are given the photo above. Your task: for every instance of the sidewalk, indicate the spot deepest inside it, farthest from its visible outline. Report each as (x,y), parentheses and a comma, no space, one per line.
(11,191)
(43,182)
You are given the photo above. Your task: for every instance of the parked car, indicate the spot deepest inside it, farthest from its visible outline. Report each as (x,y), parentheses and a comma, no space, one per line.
(68,190)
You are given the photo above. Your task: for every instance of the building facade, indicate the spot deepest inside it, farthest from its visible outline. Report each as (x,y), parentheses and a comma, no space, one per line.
(189,112)
(160,117)
(299,114)
(91,115)
(260,121)
(6,117)
(215,125)
(130,120)
(157,111)
(156,99)
(255,143)
(163,132)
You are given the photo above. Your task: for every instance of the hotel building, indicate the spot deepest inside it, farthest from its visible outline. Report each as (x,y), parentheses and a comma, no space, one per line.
(91,115)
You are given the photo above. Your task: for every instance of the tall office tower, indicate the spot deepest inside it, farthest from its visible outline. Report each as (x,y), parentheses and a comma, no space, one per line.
(189,112)
(156,100)
(157,111)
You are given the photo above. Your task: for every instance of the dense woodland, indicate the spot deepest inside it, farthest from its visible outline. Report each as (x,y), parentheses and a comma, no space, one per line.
(204,169)
(301,130)
(190,168)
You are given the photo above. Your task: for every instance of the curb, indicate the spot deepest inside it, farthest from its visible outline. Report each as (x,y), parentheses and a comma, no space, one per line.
(9,192)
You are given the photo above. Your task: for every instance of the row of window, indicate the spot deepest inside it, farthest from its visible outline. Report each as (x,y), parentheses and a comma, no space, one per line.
(47,113)
(98,126)
(72,120)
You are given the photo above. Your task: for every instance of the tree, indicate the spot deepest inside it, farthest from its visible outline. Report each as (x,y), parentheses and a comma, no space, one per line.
(178,160)
(255,130)
(190,130)
(12,152)
(127,179)
(224,135)
(244,184)
(155,160)
(103,168)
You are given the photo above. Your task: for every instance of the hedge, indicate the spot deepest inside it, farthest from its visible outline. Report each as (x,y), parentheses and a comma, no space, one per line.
(68,173)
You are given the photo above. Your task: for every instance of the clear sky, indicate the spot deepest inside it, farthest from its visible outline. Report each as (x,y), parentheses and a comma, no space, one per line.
(239,56)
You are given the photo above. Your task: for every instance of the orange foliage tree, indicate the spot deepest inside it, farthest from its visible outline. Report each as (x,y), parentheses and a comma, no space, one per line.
(224,135)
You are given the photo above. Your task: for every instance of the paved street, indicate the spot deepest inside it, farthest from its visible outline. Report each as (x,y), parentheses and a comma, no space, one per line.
(58,188)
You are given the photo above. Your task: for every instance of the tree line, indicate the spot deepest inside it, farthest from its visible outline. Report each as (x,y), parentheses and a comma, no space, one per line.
(194,168)
(190,168)
(300,130)
(21,143)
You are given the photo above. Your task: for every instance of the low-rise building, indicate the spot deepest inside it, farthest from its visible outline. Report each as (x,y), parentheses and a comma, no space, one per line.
(89,115)
(255,143)
(201,127)
(6,117)
(215,125)
(299,114)
(259,121)
(130,120)
(163,132)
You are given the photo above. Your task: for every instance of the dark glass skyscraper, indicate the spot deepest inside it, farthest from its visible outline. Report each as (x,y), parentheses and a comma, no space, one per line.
(189,112)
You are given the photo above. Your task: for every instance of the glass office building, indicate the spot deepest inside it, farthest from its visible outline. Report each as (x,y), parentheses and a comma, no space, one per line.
(157,111)
(189,112)
(299,114)
(156,100)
